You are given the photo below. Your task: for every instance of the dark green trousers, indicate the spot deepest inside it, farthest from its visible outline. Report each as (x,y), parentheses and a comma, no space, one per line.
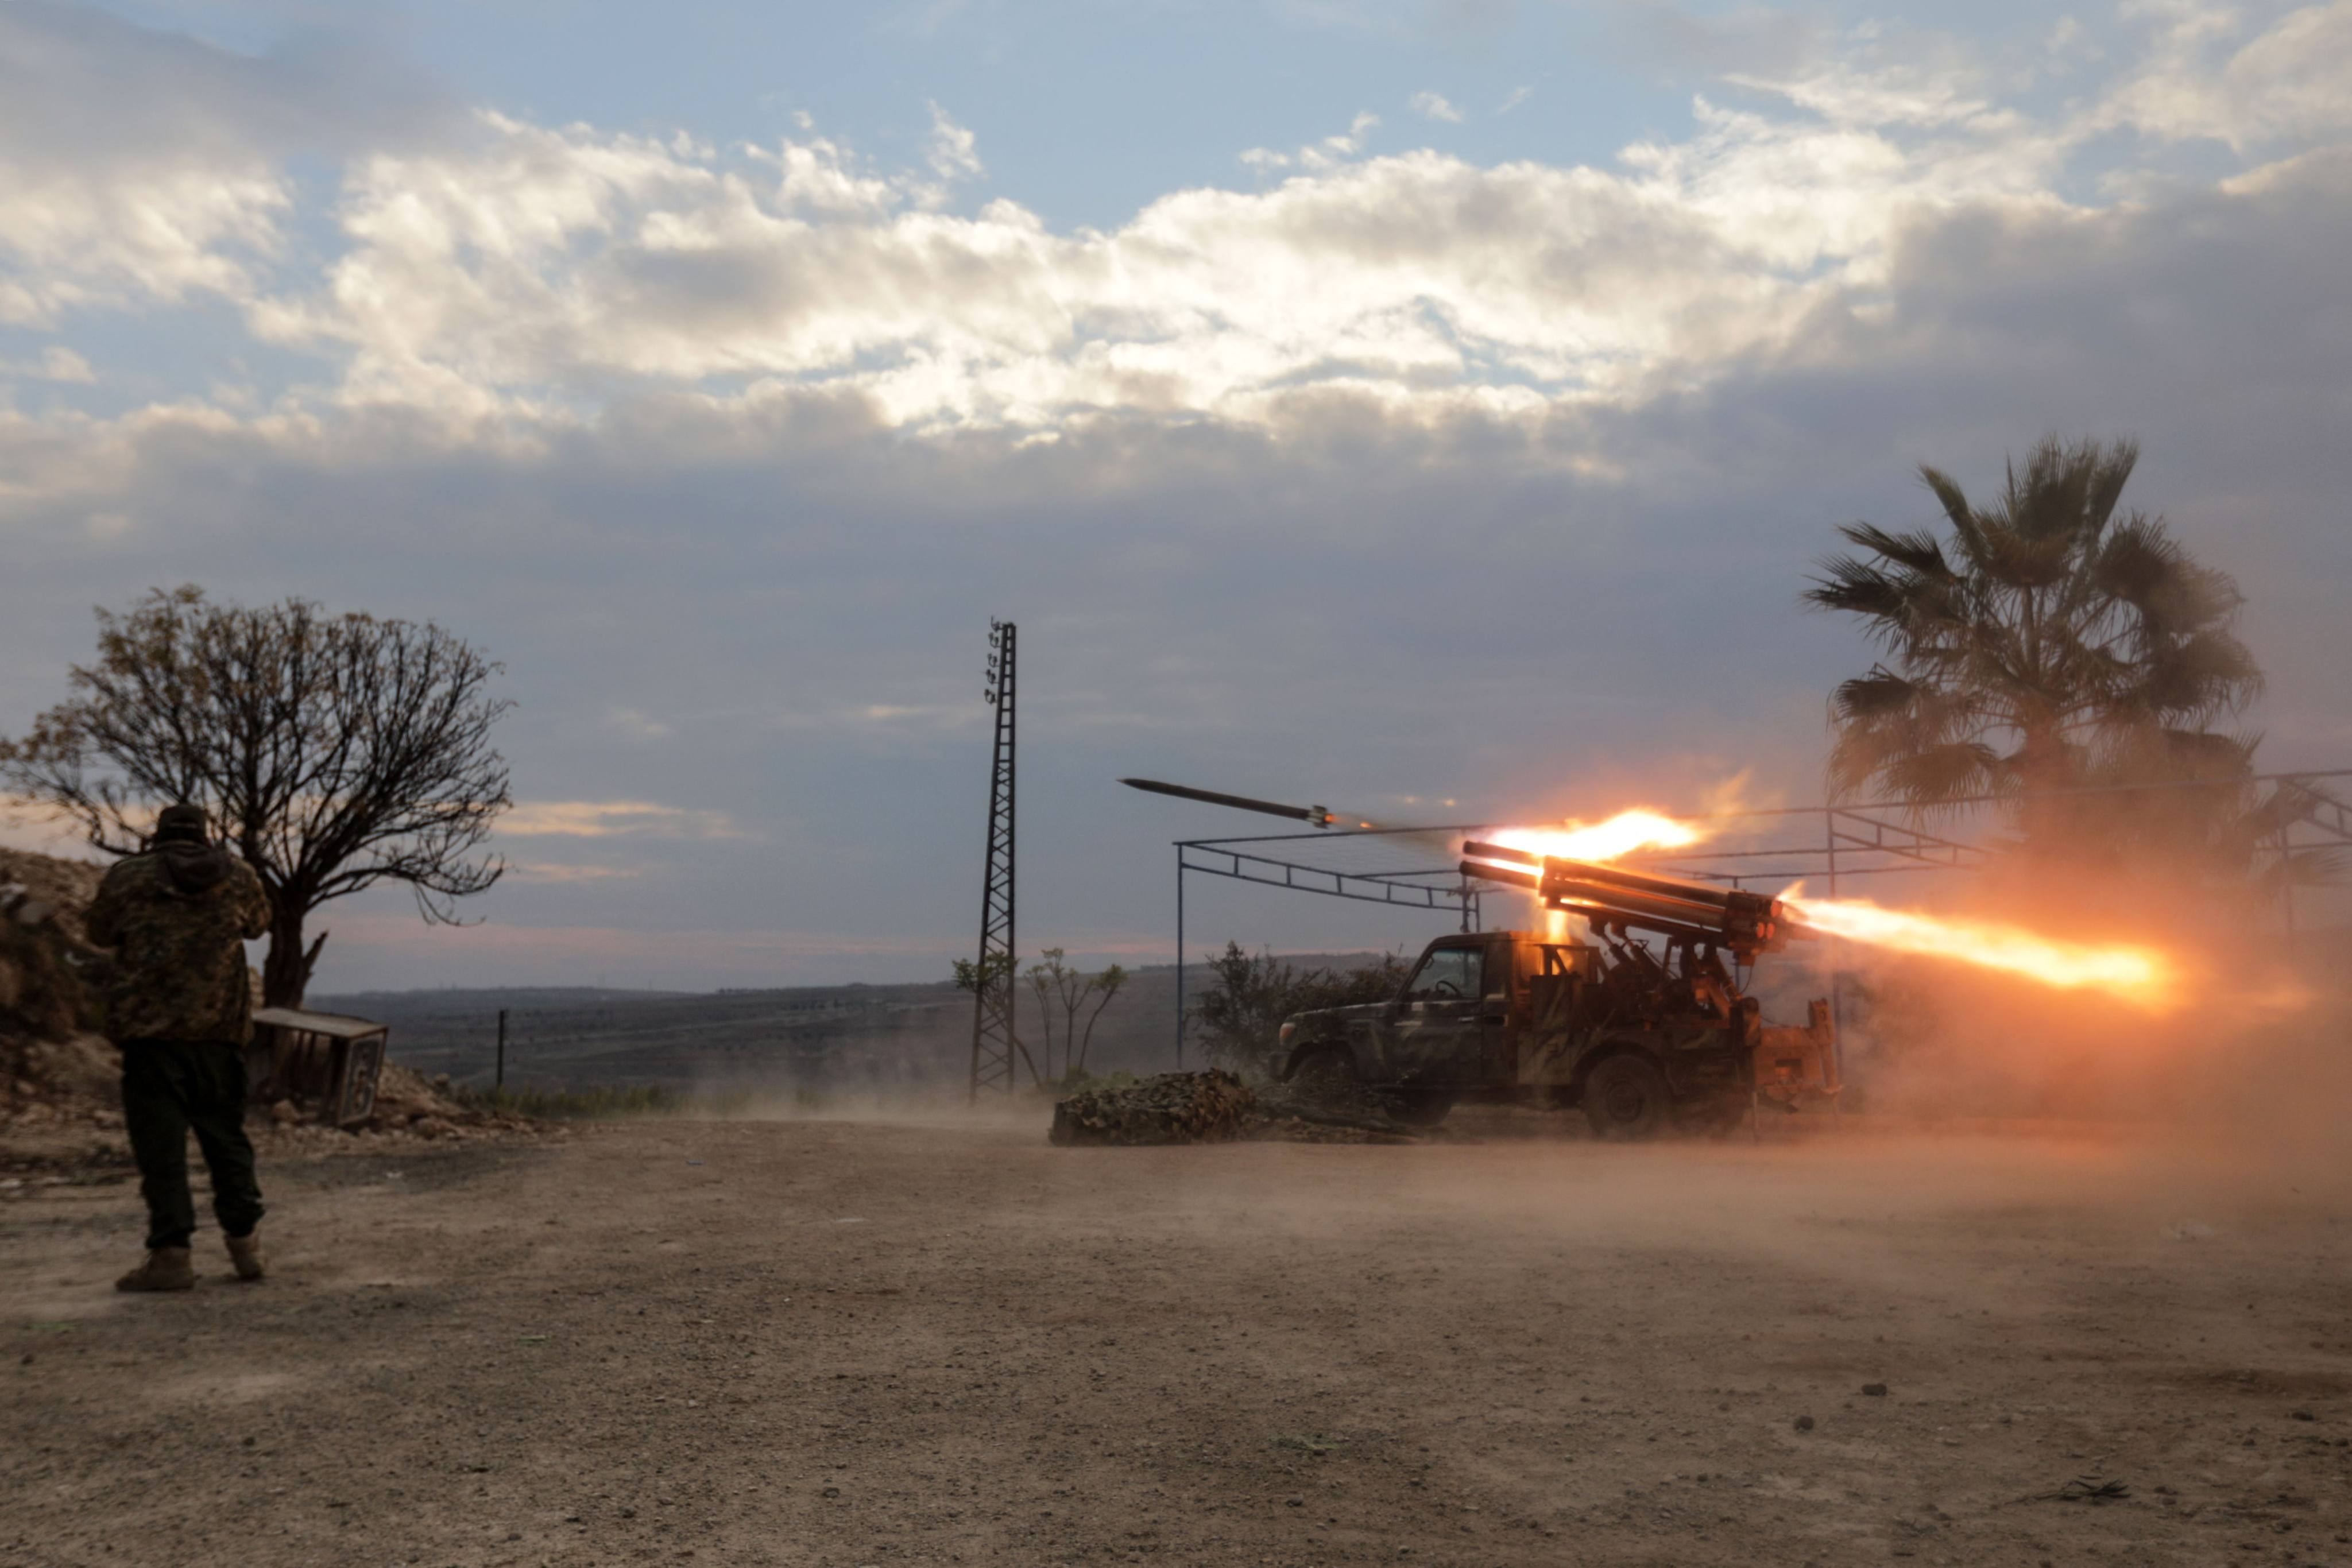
(174,1087)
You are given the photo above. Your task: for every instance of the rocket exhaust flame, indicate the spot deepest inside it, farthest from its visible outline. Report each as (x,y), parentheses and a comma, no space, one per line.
(1619,835)
(2142,976)
(2138,975)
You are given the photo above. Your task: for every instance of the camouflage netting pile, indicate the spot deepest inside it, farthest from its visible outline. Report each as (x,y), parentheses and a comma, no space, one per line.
(1216,1107)
(1172,1108)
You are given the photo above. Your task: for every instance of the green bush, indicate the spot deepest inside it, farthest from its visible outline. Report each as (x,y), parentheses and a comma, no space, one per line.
(1250,995)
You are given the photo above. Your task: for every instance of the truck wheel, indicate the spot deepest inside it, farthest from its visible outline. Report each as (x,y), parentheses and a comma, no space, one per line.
(1627,1099)
(1326,1072)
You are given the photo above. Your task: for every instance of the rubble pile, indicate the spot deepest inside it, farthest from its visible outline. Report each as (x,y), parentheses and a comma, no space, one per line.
(61,1081)
(1169,1108)
(42,997)
(407,1103)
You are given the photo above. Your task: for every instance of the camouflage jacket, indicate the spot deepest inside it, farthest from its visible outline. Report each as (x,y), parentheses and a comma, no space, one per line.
(178,919)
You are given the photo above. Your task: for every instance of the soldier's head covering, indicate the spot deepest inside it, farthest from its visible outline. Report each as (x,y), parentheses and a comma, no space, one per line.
(180,824)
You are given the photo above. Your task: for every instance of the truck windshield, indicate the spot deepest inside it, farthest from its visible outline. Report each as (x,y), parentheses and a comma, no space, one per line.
(1449,973)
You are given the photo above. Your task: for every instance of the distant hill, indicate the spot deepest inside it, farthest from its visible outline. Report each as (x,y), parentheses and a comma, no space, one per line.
(456,1000)
(821,1037)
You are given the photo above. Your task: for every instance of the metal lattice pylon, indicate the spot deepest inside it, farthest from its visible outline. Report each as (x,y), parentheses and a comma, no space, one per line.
(994,1043)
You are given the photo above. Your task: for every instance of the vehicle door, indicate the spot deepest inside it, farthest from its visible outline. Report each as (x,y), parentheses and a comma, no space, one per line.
(1496,1049)
(1549,1028)
(1436,1031)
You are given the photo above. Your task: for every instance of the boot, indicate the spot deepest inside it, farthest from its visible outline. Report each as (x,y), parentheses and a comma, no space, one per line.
(166,1268)
(245,1251)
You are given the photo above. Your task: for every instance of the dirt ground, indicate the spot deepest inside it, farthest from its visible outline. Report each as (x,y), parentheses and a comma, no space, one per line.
(877,1343)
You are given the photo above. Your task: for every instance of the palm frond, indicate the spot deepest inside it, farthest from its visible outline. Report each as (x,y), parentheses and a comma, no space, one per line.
(1918,551)
(2024,557)
(1860,588)
(2139,563)
(1966,526)
(2110,471)
(2205,674)
(1937,775)
(1882,694)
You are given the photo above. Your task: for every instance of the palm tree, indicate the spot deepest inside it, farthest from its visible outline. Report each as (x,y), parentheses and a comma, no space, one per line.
(2050,642)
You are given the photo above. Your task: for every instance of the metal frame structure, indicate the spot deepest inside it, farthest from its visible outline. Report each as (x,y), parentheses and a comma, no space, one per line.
(1860,840)
(994,1042)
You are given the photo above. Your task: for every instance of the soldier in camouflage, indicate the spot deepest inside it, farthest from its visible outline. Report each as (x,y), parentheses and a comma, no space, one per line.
(181,1009)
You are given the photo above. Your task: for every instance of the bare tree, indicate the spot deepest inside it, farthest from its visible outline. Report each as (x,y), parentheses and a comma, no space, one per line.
(1061,989)
(333,752)
(1104,986)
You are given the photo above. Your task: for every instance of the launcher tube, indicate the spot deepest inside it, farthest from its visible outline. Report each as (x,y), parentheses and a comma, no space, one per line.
(1673,887)
(1529,878)
(1478,851)
(1637,905)
(1747,923)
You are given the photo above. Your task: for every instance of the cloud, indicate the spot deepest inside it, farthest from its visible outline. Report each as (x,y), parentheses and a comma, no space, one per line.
(2067,37)
(139,167)
(509,273)
(954,153)
(157,233)
(636,724)
(1745,37)
(613,819)
(1432,106)
(493,274)
(536,265)
(57,364)
(550,872)
(2204,79)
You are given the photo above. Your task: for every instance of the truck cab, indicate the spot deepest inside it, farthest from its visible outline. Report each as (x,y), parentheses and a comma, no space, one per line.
(1638,1040)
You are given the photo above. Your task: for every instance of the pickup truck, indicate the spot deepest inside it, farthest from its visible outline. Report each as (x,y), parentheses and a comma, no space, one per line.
(1639,1041)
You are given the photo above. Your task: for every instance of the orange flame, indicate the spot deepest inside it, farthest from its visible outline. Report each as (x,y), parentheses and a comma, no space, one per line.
(2136,974)
(1621,835)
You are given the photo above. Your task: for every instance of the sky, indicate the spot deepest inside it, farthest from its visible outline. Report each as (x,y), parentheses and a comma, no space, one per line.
(1424,407)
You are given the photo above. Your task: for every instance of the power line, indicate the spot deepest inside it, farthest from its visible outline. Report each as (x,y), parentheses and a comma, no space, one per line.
(993,1041)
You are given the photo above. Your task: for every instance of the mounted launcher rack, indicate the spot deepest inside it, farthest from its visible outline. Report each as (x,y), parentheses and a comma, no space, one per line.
(1615,900)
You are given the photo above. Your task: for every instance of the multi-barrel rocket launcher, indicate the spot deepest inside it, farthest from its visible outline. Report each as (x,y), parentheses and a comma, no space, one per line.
(1676,1002)
(1648,993)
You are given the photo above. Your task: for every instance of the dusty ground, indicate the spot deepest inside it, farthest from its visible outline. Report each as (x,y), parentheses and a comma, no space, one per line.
(852,1343)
